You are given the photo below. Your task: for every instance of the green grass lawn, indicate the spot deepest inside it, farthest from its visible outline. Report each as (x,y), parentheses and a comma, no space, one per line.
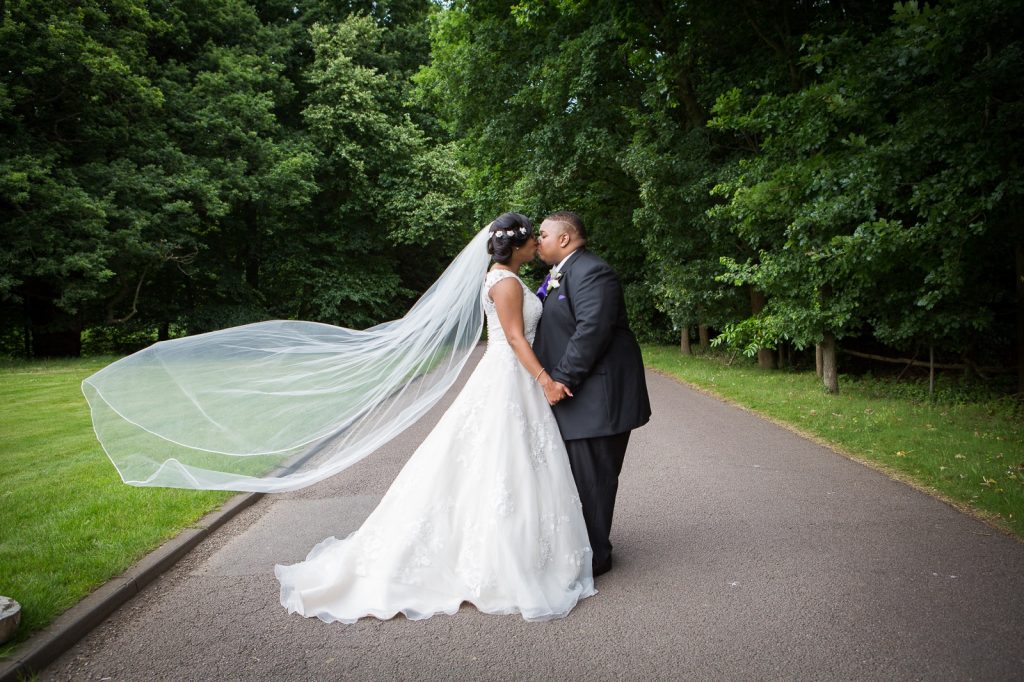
(67,522)
(969,453)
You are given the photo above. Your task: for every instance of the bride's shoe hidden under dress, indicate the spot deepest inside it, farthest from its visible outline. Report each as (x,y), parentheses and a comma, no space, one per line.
(485,511)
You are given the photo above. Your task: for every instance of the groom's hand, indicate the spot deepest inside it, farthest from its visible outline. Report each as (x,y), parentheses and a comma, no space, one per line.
(555,391)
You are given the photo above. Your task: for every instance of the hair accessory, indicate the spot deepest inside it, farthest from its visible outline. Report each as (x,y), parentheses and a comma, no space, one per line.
(509,233)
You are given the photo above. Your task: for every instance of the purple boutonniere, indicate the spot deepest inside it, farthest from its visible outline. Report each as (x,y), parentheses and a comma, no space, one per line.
(551,281)
(542,291)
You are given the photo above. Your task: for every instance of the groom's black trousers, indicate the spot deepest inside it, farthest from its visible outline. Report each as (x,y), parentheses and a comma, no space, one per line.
(596,464)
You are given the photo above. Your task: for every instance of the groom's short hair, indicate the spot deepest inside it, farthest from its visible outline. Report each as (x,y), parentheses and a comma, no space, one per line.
(571,220)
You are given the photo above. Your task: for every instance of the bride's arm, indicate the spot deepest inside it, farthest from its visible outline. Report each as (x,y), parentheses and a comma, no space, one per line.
(508,302)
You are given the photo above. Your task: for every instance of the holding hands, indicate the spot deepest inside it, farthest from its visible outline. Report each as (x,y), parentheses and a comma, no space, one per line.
(554,391)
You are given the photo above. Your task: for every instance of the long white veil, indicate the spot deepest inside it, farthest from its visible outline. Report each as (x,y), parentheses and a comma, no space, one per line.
(279,405)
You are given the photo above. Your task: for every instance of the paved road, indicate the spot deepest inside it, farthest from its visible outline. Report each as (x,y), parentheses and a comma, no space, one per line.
(742,552)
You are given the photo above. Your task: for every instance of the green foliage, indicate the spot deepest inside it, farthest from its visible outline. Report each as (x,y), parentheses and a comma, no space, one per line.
(853,167)
(209,164)
(750,335)
(537,95)
(782,173)
(881,191)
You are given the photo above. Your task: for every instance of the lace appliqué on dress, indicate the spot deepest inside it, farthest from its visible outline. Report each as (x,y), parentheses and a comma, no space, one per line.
(541,443)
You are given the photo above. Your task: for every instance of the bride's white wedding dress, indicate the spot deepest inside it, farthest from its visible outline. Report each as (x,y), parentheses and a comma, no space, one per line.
(485,511)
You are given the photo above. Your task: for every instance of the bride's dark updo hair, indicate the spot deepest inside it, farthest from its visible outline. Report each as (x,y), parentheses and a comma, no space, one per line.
(508,231)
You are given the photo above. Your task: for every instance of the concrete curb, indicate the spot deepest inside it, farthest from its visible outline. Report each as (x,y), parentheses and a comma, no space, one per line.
(42,648)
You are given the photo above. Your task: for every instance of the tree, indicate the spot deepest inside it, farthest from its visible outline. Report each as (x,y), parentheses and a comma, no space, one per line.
(76,104)
(683,54)
(537,95)
(888,174)
(184,164)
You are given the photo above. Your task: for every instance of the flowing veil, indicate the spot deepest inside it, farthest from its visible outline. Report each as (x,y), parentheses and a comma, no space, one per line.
(279,405)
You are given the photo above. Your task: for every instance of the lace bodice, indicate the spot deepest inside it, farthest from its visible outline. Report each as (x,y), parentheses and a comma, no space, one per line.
(532,308)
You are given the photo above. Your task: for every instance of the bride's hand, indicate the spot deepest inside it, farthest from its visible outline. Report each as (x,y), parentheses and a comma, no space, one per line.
(555,391)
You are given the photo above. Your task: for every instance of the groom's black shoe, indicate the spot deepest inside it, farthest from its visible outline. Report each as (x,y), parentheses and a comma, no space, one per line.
(602,567)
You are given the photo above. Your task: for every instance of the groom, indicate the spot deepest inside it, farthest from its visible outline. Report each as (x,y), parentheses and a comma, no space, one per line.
(585,343)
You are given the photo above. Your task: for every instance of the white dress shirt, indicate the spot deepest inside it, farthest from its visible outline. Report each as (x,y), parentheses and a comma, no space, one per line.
(558,268)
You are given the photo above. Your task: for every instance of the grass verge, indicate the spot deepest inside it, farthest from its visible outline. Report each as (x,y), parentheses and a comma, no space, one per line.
(67,522)
(970,454)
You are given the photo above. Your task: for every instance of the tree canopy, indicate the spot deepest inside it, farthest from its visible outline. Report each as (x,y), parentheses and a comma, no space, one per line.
(785,174)
(209,163)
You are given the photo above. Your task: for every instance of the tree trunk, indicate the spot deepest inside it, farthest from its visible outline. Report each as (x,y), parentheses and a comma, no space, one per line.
(765,356)
(705,341)
(56,343)
(252,271)
(253,253)
(696,116)
(684,342)
(55,332)
(931,372)
(164,333)
(26,326)
(782,356)
(829,375)
(817,360)
(1020,318)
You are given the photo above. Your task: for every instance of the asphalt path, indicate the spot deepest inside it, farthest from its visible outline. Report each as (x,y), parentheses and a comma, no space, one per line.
(742,551)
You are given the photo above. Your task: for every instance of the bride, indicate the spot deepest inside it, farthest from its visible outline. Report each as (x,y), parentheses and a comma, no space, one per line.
(486,510)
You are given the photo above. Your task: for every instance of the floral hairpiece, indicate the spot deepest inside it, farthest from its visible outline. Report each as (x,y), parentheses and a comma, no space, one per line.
(509,233)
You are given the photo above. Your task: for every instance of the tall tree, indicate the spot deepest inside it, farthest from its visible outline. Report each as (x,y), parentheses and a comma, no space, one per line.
(880,187)
(87,195)
(537,93)
(175,163)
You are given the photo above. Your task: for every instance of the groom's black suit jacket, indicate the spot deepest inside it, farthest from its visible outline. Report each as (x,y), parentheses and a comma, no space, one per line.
(584,342)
